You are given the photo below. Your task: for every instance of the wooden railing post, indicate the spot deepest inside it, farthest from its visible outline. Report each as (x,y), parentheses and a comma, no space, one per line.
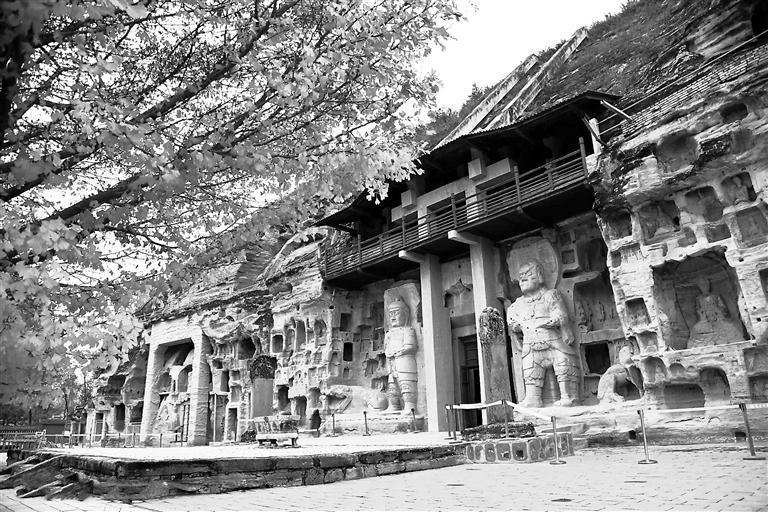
(517,186)
(402,224)
(381,245)
(359,252)
(583,152)
(549,177)
(453,212)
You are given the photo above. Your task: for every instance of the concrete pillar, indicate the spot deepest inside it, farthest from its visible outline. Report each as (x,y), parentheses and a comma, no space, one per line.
(151,395)
(438,353)
(198,392)
(482,257)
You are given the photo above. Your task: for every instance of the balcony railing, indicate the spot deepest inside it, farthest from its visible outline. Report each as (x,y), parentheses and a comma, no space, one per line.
(518,190)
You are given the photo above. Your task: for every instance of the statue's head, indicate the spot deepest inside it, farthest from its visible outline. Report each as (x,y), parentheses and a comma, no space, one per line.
(531,277)
(398,312)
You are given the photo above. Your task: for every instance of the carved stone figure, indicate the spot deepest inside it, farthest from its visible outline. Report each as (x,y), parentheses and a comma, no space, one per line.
(583,316)
(656,221)
(715,327)
(400,346)
(619,374)
(739,190)
(541,317)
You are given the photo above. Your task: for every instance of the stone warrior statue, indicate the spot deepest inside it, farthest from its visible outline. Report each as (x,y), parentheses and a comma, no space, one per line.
(400,347)
(541,316)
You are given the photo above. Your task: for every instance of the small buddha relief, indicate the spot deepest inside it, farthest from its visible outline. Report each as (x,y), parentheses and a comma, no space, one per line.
(715,325)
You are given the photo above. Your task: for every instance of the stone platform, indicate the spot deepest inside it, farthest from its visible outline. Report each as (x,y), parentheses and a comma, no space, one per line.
(143,473)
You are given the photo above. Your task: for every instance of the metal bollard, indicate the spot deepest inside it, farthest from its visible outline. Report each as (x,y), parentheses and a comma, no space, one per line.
(455,422)
(557,460)
(161,439)
(333,425)
(645,440)
(133,441)
(750,442)
(70,440)
(413,421)
(365,418)
(506,418)
(448,421)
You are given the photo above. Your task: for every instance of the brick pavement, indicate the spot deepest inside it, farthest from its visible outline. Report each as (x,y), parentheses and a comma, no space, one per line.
(703,477)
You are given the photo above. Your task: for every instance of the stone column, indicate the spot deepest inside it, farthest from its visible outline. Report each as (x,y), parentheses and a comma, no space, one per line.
(493,346)
(438,353)
(198,392)
(481,255)
(151,395)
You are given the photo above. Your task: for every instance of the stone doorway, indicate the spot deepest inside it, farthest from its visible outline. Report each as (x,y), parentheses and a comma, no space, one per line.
(469,375)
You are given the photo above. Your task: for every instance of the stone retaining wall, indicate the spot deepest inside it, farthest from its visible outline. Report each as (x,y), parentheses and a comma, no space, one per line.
(143,479)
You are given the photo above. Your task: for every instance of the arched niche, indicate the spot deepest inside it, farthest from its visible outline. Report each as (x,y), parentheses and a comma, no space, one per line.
(301,335)
(714,383)
(182,382)
(699,297)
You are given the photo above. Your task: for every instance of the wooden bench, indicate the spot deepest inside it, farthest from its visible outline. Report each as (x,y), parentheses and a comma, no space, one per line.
(277,437)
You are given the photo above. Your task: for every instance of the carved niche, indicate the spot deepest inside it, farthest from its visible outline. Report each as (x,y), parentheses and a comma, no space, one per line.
(658,219)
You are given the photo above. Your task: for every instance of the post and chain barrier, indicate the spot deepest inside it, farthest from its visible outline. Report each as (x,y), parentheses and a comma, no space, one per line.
(647,459)
(640,412)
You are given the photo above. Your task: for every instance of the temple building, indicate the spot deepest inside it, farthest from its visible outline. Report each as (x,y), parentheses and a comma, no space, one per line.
(603,217)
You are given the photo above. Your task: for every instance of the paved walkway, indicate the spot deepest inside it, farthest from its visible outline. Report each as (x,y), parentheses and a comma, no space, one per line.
(703,477)
(308,445)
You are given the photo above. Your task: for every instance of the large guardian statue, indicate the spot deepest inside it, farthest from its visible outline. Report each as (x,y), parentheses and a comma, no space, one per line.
(400,346)
(541,328)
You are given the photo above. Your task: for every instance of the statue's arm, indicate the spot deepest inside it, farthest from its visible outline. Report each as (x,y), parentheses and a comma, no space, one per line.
(410,343)
(558,316)
(515,329)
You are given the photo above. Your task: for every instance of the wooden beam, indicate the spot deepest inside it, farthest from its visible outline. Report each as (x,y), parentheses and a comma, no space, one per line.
(616,109)
(595,135)
(464,237)
(412,256)
(341,227)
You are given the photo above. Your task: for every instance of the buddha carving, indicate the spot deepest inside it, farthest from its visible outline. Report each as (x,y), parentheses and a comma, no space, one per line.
(715,325)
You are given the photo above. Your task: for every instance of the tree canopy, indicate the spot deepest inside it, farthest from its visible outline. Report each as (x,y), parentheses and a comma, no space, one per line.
(135,135)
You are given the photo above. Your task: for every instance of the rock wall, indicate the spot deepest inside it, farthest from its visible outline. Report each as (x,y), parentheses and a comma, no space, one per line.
(330,343)
(682,207)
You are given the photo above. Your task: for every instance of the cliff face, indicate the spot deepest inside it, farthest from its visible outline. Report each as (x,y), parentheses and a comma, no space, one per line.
(681,198)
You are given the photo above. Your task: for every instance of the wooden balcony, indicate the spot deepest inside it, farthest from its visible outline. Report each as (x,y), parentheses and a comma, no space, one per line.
(494,203)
